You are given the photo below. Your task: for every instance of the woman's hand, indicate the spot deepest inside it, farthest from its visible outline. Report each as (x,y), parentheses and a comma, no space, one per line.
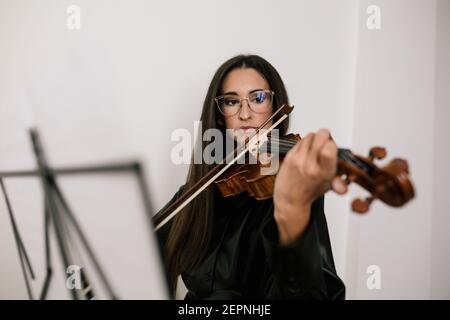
(307,172)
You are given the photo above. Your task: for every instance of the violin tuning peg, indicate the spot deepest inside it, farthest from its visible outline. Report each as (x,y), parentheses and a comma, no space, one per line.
(352,178)
(377,153)
(362,206)
(349,178)
(400,164)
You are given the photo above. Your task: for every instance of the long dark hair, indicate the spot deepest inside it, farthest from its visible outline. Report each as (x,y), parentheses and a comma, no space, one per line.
(191,229)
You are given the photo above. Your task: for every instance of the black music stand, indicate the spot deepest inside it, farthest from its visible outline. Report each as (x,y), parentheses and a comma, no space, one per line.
(59,215)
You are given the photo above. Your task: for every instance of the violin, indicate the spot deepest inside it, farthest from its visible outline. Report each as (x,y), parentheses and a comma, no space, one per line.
(390,183)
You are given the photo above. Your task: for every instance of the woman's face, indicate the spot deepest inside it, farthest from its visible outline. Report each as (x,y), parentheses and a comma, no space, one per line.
(242,83)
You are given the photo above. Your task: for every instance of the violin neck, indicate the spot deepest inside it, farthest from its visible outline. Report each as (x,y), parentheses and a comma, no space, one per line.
(283,145)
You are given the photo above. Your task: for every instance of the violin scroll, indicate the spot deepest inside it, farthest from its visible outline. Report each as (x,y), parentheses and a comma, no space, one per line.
(390,183)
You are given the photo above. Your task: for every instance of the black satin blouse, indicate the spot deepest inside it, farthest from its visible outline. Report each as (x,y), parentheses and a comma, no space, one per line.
(245,261)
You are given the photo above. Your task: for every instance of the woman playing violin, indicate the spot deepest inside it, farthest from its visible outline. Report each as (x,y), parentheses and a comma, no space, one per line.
(239,247)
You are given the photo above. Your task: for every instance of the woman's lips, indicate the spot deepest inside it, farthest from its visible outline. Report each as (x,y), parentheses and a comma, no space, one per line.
(246,128)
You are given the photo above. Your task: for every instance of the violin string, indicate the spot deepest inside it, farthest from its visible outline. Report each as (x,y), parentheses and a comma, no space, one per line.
(287,144)
(278,147)
(283,145)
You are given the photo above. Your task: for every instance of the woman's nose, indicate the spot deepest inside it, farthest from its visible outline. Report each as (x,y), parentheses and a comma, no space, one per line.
(244,112)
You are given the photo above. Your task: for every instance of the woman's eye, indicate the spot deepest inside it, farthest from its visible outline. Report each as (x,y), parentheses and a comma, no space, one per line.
(259,97)
(231,101)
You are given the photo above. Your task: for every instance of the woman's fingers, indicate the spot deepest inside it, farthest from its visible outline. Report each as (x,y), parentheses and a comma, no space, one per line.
(328,159)
(305,145)
(339,186)
(320,138)
(315,156)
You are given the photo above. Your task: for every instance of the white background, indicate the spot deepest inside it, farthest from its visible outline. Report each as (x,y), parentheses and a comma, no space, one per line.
(137,70)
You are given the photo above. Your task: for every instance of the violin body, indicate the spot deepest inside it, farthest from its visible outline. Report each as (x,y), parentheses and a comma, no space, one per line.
(248,178)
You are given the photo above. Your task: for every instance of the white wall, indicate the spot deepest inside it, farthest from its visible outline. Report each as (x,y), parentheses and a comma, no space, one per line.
(401,102)
(137,70)
(440,251)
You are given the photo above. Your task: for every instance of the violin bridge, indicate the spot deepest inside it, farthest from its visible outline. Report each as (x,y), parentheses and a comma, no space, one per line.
(255,142)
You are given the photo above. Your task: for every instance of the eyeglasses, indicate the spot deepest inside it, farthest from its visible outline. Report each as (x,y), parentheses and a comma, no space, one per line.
(259,102)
